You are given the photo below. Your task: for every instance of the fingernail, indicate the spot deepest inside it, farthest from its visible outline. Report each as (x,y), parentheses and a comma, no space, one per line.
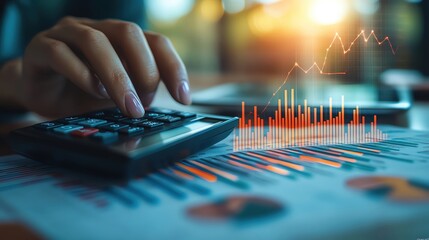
(102,91)
(133,105)
(184,94)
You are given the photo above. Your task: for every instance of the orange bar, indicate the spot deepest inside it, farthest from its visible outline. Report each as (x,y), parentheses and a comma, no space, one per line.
(320,160)
(357,124)
(334,132)
(342,110)
(341,128)
(305,112)
(330,110)
(286,106)
(309,116)
(357,115)
(364,128)
(206,176)
(341,158)
(294,132)
(275,161)
(274,169)
(255,124)
(293,106)
(322,132)
(217,171)
(347,151)
(239,164)
(375,122)
(370,149)
(302,137)
(315,121)
(182,174)
(260,131)
(243,117)
(330,121)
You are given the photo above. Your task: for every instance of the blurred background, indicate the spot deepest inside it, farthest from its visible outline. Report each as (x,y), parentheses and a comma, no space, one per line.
(266,37)
(246,41)
(249,41)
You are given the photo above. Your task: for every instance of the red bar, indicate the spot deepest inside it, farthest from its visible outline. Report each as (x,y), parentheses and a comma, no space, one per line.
(243,117)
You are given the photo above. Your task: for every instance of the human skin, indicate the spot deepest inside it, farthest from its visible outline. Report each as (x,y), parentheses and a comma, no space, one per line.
(80,65)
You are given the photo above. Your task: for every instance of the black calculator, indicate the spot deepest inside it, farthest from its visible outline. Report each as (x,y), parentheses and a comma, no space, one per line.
(109,143)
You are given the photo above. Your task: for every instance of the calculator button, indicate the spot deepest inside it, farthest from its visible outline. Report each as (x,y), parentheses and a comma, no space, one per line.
(115,117)
(152,115)
(92,122)
(47,125)
(113,127)
(67,128)
(105,136)
(168,119)
(84,132)
(71,119)
(150,124)
(185,114)
(133,120)
(163,111)
(132,130)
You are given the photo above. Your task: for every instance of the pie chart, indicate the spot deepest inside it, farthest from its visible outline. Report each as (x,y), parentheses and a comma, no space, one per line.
(237,208)
(397,189)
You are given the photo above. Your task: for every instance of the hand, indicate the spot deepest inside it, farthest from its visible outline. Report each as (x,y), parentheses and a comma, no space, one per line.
(81,65)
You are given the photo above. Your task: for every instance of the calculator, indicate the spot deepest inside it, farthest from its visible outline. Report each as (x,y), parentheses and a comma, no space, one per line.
(107,142)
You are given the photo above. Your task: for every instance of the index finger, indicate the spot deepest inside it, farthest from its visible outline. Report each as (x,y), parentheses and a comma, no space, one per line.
(102,57)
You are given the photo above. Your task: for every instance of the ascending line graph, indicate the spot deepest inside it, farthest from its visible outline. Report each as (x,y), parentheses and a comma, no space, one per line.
(321,68)
(297,125)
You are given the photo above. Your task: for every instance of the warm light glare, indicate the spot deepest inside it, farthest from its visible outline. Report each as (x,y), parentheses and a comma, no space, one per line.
(211,10)
(260,23)
(327,12)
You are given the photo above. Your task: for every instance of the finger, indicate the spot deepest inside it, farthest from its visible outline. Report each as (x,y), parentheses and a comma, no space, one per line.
(171,68)
(131,45)
(61,59)
(100,54)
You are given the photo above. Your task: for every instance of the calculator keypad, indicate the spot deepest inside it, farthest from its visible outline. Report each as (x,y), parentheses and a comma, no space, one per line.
(106,126)
(114,127)
(151,124)
(92,122)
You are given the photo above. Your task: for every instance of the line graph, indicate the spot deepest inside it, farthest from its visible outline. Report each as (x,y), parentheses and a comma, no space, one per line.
(346,50)
(298,125)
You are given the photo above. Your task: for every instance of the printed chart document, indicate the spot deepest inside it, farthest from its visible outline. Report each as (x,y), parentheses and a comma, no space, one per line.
(372,190)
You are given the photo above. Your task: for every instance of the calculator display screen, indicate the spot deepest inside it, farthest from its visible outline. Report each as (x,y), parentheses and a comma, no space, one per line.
(135,145)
